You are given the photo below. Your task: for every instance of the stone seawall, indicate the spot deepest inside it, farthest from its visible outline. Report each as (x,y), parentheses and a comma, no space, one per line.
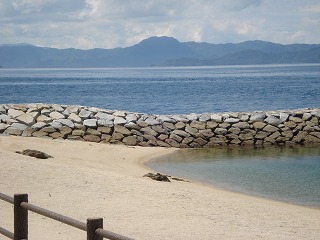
(260,128)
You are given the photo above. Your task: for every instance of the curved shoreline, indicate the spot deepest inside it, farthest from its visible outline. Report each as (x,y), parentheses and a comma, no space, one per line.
(163,165)
(106,181)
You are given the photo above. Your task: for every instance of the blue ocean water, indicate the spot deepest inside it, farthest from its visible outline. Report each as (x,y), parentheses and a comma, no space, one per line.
(194,90)
(168,90)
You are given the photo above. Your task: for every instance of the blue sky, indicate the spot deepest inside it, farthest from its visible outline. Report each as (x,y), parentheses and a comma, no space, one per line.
(89,24)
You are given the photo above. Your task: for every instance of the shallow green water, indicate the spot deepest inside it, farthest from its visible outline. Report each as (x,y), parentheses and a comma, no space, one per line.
(285,174)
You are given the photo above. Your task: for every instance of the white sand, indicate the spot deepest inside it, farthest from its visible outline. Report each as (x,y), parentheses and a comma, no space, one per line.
(98,180)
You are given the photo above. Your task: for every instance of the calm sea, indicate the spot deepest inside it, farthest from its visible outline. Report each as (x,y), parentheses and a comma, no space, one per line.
(168,90)
(195,90)
(284,174)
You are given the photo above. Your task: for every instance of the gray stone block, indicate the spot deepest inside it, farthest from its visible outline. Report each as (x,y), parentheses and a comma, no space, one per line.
(90,122)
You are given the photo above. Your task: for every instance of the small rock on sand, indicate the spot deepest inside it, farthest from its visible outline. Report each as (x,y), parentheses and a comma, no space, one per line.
(34,153)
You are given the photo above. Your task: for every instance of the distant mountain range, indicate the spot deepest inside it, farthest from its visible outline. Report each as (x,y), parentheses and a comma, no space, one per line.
(159,51)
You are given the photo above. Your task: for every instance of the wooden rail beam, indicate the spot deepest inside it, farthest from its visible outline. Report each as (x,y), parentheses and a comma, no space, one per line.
(111,235)
(6,233)
(6,198)
(58,217)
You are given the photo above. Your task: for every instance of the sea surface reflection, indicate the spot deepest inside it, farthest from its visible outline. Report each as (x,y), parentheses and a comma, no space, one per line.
(290,174)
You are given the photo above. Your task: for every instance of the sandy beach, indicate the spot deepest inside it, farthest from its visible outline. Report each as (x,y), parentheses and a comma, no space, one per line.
(85,180)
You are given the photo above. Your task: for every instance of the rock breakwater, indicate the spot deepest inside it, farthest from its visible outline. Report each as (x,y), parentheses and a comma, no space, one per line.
(262,128)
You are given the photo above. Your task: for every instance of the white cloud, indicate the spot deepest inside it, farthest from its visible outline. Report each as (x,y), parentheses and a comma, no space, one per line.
(311,8)
(241,5)
(112,23)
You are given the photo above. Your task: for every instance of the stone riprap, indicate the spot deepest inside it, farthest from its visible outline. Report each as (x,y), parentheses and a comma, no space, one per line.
(261,128)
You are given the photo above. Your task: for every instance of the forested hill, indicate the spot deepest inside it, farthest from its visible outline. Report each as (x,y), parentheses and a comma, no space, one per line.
(159,51)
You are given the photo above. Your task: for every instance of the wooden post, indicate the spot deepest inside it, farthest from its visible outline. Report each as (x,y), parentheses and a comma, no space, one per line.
(20,217)
(92,225)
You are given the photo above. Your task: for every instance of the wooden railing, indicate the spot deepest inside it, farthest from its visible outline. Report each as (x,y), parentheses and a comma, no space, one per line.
(93,227)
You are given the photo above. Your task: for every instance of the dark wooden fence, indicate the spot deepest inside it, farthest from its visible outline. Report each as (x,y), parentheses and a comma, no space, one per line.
(93,227)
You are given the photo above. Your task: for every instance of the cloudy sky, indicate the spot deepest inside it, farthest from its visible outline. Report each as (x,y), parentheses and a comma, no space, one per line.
(88,24)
